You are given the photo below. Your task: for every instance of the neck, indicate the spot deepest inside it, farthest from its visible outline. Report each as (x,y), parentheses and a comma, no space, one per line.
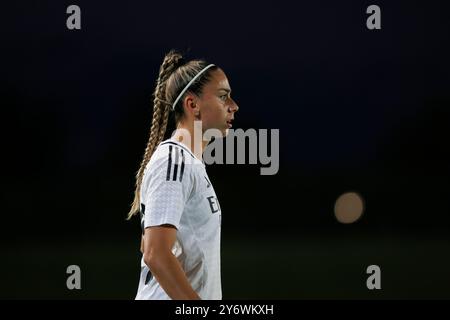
(191,134)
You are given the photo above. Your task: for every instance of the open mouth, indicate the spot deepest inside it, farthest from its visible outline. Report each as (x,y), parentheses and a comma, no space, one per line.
(230,123)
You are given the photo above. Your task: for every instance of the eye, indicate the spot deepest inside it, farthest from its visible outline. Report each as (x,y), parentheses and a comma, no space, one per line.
(224,97)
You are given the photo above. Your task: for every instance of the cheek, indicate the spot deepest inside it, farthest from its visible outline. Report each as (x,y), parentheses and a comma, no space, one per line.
(215,114)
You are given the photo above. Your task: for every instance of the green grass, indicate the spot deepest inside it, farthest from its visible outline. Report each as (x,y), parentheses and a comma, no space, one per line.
(300,267)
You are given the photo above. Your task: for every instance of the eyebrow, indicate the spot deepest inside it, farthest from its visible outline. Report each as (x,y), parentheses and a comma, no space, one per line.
(225,89)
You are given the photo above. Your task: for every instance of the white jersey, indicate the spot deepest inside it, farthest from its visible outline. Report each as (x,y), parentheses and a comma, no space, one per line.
(176,190)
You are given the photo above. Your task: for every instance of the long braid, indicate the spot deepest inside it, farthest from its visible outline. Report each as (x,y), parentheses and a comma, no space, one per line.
(161,110)
(165,120)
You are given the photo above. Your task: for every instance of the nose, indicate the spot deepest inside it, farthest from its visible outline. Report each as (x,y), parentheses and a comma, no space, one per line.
(234,107)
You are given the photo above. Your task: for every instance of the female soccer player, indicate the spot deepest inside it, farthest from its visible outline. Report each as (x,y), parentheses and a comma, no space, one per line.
(180,213)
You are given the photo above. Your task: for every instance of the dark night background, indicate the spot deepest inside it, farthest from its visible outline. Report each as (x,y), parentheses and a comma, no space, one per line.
(357,110)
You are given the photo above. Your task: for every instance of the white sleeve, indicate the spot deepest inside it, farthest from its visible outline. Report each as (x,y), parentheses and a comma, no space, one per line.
(166,187)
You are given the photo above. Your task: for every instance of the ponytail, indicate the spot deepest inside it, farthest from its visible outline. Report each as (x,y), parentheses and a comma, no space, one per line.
(161,109)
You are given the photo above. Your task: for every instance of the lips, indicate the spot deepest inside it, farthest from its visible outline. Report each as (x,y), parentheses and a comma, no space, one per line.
(230,123)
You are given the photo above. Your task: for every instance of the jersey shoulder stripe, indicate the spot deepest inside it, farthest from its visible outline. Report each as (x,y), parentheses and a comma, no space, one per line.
(172,165)
(180,146)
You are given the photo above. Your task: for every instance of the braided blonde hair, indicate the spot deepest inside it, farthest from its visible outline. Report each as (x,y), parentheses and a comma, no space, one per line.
(173,77)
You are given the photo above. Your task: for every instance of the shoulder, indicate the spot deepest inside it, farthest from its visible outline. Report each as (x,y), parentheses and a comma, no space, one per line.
(173,160)
(170,149)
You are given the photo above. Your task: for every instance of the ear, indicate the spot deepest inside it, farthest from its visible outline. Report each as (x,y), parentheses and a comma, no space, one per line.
(191,105)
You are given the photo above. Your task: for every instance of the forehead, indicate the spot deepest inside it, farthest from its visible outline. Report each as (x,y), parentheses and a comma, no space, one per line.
(218,81)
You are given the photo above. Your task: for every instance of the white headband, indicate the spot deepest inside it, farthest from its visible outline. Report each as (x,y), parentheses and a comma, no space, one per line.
(189,84)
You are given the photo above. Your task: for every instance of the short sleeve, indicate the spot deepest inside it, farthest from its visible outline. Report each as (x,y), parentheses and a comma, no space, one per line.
(166,187)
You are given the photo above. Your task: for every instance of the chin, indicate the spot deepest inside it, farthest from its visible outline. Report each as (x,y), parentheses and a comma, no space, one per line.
(224,130)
